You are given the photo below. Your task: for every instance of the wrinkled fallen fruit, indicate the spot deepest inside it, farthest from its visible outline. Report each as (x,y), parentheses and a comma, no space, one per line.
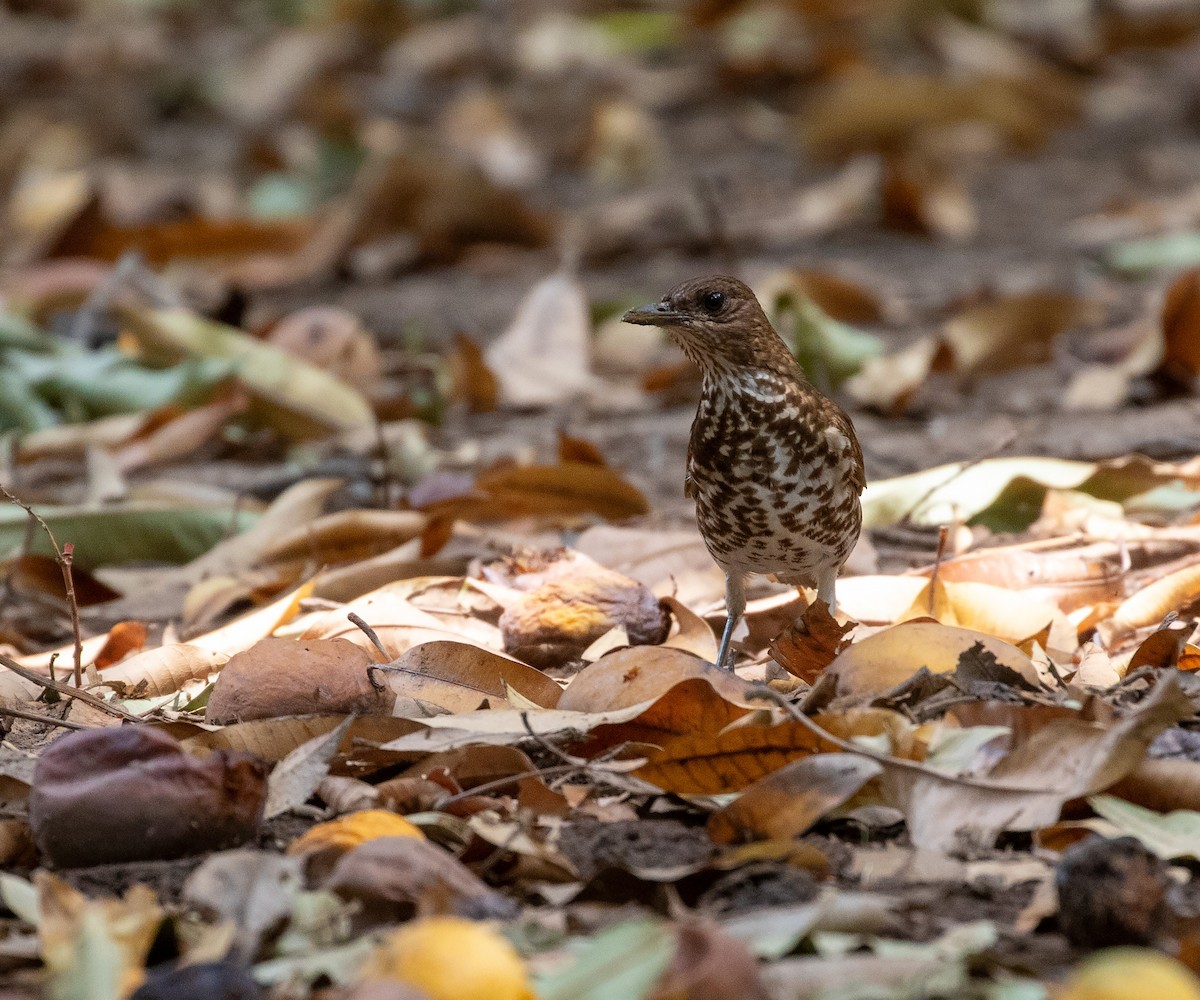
(133,794)
(451,959)
(561,618)
(1131,974)
(277,677)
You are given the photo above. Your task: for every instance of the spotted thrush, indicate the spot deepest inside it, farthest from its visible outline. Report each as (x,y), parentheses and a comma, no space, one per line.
(773,465)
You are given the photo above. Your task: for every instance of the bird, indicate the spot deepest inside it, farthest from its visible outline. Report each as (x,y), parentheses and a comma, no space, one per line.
(774,465)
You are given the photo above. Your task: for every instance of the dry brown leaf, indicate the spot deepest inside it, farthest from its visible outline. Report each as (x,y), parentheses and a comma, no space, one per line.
(164,670)
(394,878)
(181,435)
(1162,785)
(712,764)
(867,110)
(787,803)
(460,677)
(693,635)
(576,449)
(345,536)
(688,706)
(544,357)
(812,642)
(888,658)
(1010,332)
(1181,328)
(1064,760)
(640,674)
(888,382)
(839,297)
(1150,605)
(924,196)
(544,490)
(472,380)
(271,740)
(709,963)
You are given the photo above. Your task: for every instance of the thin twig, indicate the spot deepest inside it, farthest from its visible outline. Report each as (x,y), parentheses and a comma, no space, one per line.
(549,747)
(487,786)
(64,558)
(943,535)
(50,720)
(370,633)
(66,690)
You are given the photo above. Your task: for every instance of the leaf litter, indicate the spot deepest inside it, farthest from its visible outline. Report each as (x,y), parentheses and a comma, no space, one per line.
(356,641)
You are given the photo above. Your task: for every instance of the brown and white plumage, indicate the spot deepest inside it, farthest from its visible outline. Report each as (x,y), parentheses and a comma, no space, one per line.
(773,465)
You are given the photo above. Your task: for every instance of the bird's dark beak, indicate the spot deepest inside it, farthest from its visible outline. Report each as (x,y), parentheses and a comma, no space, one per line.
(657,314)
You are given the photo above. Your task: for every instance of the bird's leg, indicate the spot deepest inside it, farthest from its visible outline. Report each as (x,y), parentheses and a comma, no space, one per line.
(826,589)
(735,604)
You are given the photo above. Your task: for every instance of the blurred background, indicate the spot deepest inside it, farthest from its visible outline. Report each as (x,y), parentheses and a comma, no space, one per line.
(965,215)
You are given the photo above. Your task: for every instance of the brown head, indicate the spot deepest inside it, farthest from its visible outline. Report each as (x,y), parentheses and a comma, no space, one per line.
(719,324)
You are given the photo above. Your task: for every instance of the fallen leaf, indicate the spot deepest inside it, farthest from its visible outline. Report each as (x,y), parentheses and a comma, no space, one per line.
(787,803)
(543,358)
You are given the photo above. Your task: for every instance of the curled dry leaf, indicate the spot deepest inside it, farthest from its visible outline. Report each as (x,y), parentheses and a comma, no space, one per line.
(133,793)
(277,677)
(812,642)
(166,669)
(179,434)
(1150,605)
(787,803)
(888,382)
(1181,328)
(472,380)
(396,878)
(922,194)
(560,619)
(459,677)
(694,635)
(124,639)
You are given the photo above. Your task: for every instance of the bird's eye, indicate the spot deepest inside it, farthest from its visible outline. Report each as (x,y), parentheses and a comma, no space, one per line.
(711,302)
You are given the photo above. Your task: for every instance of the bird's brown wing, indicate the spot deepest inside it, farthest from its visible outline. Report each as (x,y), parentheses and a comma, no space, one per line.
(688,486)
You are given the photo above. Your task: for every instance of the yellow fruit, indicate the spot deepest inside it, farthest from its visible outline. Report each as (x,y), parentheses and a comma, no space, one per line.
(353,829)
(450,958)
(1131,974)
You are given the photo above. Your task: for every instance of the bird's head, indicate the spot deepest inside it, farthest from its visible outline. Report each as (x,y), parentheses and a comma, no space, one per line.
(719,324)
